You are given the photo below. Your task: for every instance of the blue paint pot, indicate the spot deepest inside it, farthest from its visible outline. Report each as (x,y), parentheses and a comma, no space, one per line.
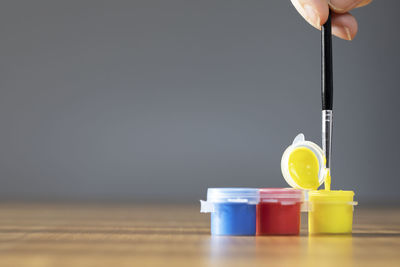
(233,210)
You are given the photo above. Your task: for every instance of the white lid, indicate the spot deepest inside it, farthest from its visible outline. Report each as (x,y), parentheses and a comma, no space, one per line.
(233,194)
(229,195)
(300,142)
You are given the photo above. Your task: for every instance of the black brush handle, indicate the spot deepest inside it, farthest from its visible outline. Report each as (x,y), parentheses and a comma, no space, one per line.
(326,65)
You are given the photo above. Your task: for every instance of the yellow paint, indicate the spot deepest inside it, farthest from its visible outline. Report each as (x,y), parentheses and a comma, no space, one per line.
(328,181)
(304,168)
(331,212)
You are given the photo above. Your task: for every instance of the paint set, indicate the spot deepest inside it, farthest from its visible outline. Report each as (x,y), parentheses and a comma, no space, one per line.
(305,167)
(276,211)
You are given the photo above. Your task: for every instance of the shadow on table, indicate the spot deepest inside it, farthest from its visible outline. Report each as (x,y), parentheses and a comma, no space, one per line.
(386,235)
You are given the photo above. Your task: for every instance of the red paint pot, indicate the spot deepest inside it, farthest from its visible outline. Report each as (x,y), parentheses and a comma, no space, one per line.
(278,212)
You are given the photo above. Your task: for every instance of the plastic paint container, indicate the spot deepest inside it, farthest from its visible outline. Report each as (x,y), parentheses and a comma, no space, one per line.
(330,212)
(303,164)
(233,210)
(303,167)
(278,212)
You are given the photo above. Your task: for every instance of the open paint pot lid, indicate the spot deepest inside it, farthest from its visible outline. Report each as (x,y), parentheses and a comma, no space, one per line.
(303,164)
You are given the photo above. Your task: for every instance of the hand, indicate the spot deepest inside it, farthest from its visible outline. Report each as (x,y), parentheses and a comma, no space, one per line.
(315,12)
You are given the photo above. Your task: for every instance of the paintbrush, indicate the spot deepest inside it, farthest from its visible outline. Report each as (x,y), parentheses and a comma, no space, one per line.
(327,94)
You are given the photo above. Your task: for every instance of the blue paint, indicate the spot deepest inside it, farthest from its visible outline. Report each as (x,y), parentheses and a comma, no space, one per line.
(233,210)
(233,219)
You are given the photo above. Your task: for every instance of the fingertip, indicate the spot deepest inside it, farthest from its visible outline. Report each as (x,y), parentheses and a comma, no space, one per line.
(344,26)
(314,12)
(324,13)
(322,9)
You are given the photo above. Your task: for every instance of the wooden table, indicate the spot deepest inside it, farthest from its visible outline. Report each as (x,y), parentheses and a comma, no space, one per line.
(178,235)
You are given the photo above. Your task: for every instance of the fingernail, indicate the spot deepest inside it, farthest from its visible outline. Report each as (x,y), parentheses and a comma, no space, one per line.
(312,16)
(364,3)
(347,30)
(342,32)
(334,7)
(341,5)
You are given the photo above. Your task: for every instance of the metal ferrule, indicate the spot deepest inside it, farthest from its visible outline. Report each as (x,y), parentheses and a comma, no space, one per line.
(327,135)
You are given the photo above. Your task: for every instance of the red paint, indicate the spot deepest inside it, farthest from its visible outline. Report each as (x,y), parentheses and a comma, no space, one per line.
(278,212)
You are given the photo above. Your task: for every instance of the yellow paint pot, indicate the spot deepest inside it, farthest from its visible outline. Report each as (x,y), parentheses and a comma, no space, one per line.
(303,167)
(330,212)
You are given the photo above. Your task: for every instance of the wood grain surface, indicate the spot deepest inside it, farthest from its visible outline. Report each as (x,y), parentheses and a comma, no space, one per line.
(178,235)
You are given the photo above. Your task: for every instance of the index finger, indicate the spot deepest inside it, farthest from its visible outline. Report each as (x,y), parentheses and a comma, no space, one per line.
(343,6)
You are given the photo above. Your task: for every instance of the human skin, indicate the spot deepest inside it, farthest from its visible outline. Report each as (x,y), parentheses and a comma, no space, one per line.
(316,12)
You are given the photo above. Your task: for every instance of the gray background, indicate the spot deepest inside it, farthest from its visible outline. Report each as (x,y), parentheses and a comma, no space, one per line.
(158,100)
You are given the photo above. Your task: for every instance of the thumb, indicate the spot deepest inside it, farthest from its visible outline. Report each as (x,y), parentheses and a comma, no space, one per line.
(314,12)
